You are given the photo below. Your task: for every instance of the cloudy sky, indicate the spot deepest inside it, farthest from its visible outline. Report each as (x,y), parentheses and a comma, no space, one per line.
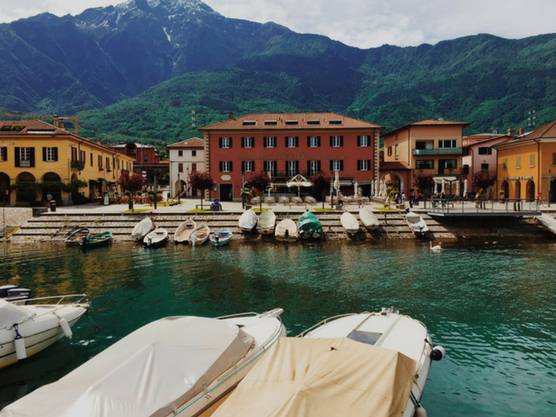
(362,23)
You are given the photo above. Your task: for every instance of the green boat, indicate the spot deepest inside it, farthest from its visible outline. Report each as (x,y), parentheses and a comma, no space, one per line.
(96,240)
(309,226)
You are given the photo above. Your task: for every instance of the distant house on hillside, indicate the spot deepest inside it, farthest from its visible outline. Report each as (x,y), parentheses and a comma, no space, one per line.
(185,157)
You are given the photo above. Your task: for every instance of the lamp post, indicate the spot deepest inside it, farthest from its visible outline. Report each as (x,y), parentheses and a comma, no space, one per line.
(4,213)
(179,187)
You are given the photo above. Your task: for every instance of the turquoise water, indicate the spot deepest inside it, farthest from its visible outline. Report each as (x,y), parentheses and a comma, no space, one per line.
(492,306)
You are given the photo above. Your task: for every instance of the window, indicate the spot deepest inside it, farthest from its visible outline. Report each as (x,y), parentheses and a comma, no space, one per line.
(421,144)
(313,167)
(313,141)
(363,141)
(193,167)
(270,122)
(336,165)
(292,168)
(146,158)
(100,168)
(389,151)
(73,154)
(424,164)
(447,144)
(505,163)
(193,153)
(50,154)
(291,141)
(91,158)
(180,167)
(118,164)
(82,157)
(450,163)
(554,159)
(247,166)
(364,165)
(292,122)
(108,164)
(269,142)
(396,154)
(313,122)
(226,143)
(247,142)
(180,153)
(270,166)
(335,122)
(485,151)
(484,167)
(226,166)
(25,157)
(3,154)
(249,123)
(336,141)
(532,160)
(518,162)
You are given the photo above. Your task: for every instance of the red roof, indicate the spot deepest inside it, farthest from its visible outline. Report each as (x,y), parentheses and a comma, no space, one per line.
(30,127)
(546,131)
(430,122)
(188,143)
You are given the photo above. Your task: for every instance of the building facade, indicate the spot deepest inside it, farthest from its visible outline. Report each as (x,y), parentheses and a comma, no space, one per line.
(284,145)
(185,157)
(37,159)
(146,160)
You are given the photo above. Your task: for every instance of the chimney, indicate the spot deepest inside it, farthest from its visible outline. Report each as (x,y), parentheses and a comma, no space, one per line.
(511,132)
(521,131)
(231,115)
(98,141)
(56,121)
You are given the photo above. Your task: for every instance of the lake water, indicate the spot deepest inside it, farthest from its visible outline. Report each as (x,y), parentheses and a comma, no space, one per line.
(492,306)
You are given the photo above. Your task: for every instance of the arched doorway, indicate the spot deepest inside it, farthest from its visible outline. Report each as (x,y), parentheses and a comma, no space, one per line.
(506,188)
(4,185)
(27,190)
(52,184)
(180,189)
(393,179)
(517,190)
(530,190)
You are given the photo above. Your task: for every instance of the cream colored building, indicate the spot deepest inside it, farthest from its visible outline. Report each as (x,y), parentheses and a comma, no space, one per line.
(185,157)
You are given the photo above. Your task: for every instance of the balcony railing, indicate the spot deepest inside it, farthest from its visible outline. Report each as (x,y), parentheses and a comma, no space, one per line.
(434,152)
(78,165)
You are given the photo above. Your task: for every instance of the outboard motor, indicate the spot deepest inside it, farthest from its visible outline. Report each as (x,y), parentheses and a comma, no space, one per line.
(13,293)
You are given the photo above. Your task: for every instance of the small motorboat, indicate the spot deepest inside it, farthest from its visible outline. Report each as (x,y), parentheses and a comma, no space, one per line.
(377,363)
(309,226)
(548,222)
(96,240)
(416,224)
(27,329)
(248,221)
(157,237)
(266,223)
(349,223)
(221,237)
(142,228)
(184,230)
(200,234)
(77,236)
(368,218)
(286,231)
(172,366)
(12,292)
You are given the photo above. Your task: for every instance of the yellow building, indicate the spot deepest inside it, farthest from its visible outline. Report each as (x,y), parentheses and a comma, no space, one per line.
(527,165)
(37,159)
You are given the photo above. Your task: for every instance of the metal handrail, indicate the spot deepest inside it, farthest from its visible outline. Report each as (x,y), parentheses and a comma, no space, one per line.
(325,321)
(60,298)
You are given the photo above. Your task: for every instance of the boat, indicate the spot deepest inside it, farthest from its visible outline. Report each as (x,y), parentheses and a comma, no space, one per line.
(31,325)
(416,224)
(286,231)
(548,222)
(248,220)
(200,234)
(368,218)
(377,363)
(172,366)
(184,230)
(157,237)
(266,222)
(10,292)
(96,240)
(142,228)
(309,226)
(75,237)
(349,223)
(221,237)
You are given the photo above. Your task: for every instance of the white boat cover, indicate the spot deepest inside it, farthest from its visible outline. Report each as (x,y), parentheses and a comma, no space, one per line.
(349,222)
(151,372)
(142,228)
(248,220)
(267,220)
(325,378)
(413,217)
(289,225)
(11,314)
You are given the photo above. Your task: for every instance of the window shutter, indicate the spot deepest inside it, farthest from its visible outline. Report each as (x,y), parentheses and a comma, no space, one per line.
(318,141)
(331,166)
(341,165)
(318,166)
(369,164)
(297,166)
(230,142)
(286,141)
(308,141)
(243,145)
(358,165)
(253,166)
(44,154)
(56,154)
(359,141)
(220,143)
(231,166)
(5,153)
(220,163)
(17,157)
(297,141)
(331,141)
(341,141)
(32,157)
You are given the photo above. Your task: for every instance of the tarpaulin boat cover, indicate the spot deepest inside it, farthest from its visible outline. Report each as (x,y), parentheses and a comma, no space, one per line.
(151,372)
(11,314)
(324,378)
(309,222)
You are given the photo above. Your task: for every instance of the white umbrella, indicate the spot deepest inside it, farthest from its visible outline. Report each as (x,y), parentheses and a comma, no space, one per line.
(443,190)
(465,188)
(298,181)
(356,189)
(336,180)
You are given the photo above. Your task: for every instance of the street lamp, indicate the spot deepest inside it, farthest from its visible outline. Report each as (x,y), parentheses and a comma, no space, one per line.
(6,193)
(179,187)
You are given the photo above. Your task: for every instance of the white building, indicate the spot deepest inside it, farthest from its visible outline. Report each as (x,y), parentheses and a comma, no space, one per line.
(185,156)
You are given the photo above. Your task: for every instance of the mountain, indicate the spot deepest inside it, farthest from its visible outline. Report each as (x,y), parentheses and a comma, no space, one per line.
(141,67)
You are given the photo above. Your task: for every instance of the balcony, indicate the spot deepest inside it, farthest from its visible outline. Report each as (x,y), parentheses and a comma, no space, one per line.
(78,165)
(437,152)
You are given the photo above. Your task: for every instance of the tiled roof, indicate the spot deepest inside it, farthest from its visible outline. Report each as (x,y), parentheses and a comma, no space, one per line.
(29,127)
(430,122)
(546,131)
(188,143)
(291,121)
(137,145)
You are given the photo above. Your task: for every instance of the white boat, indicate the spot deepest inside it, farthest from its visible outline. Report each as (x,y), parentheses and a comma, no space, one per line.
(349,223)
(172,366)
(368,218)
(286,231)
(248,220)
(221,237)
(266,223)
(142,228)
(375,363)
(548,222)
(200,234)
(28,329)
(157,237)
(184,230)
(416,224)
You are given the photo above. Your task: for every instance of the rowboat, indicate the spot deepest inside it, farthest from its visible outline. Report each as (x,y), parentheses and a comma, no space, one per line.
(248,220)
(27,329)
(173,366)
(157,237)
(200,234)
(368,218)
(266,223)
(376,363)
(286,231)
(142,228)
(349,223)
(184,230)
(75,237)
(309,226)
(97,240)
(221,237)
(416,224)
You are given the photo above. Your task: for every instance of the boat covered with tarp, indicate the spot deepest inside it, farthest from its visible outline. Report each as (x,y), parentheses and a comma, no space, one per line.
(142,228)
(266,223)
(309,226)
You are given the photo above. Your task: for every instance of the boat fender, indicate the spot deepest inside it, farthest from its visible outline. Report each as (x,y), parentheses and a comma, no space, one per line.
(66,328)
(19,343)
(437,353)
(420,412)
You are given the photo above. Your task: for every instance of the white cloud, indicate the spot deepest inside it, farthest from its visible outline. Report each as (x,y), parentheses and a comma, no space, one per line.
(365,24)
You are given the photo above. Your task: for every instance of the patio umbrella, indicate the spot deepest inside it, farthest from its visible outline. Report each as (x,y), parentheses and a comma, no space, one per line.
(336,180)
(298,181)
(464,188)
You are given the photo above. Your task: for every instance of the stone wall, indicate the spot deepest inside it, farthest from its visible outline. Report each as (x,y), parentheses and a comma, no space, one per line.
(15,217)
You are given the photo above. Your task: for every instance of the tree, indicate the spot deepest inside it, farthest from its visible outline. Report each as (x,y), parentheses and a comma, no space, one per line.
(132,183)
(201,181)
(484,179)
(424,182)
(259,182)
(322,183)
